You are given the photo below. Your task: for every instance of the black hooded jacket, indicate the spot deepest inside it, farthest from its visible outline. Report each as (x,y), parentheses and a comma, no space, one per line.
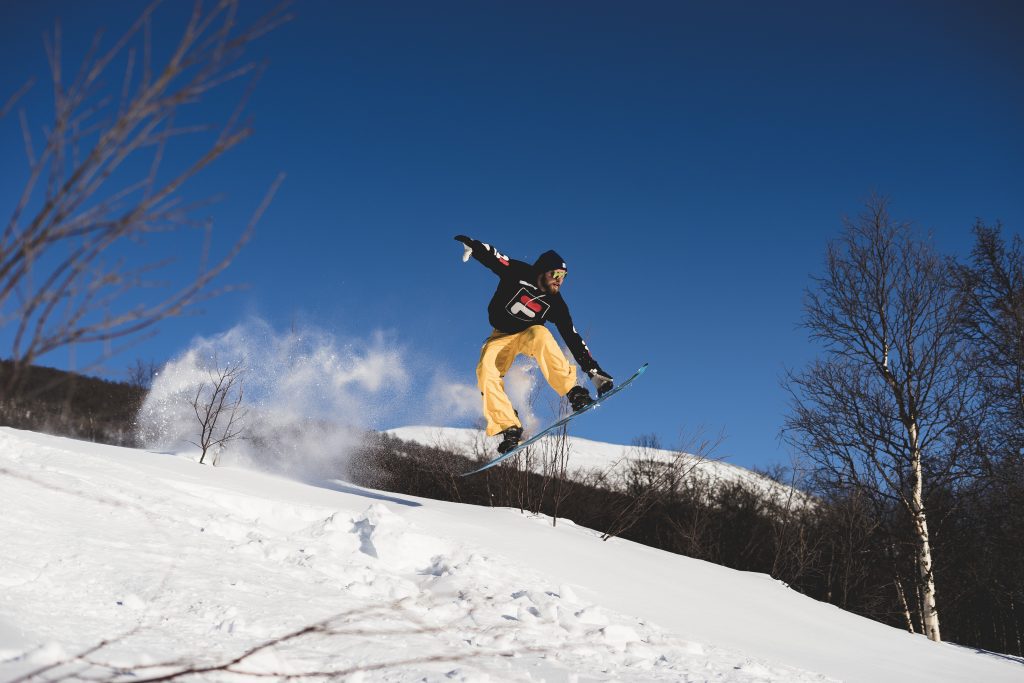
(519,303)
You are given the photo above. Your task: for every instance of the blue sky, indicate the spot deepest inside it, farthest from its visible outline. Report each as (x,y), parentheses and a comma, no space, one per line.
(689,160)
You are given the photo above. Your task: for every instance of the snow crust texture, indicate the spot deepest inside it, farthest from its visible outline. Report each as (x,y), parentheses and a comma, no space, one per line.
(126,565)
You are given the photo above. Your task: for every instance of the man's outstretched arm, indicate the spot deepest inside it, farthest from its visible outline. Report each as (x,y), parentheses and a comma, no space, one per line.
(485,254)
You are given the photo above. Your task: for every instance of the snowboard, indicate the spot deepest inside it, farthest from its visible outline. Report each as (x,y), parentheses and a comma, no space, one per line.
(559,423)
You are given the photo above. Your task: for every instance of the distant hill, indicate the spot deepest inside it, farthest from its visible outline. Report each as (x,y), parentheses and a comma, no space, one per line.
(613,461)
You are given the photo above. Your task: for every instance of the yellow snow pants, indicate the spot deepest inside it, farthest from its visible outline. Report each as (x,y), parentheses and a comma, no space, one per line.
(496,358)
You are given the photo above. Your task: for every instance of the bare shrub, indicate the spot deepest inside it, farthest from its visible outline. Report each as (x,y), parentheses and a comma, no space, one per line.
(649,479)
(217,407)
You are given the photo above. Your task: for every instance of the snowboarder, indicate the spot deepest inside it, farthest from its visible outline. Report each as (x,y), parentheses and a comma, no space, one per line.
(527,297)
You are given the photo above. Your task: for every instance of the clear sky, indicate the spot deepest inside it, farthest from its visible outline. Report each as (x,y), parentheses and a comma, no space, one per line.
(689,160)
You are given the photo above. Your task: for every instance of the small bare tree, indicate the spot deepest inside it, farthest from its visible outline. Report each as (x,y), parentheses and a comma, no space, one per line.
(141,374)
(555,470)
(217,406)
(79,245)
(651,478)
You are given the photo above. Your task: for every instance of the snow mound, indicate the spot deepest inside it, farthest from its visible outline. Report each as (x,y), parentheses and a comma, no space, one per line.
(149,562)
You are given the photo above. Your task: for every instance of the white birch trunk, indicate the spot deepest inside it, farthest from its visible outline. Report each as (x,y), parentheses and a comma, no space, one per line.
(906,607)
(930,612)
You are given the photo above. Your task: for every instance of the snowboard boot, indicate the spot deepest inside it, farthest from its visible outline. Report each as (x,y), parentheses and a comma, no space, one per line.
(512,436)
(579,398)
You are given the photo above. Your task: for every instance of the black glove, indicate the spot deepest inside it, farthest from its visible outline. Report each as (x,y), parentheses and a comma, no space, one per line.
(603,382)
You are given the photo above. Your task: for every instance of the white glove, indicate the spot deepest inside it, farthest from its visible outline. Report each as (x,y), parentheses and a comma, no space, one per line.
(466,243)
(602,382)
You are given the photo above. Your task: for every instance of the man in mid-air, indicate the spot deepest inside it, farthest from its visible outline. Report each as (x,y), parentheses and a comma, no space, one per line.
(527,297)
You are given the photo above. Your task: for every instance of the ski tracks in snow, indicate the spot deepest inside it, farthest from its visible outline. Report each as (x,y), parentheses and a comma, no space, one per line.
(174,565)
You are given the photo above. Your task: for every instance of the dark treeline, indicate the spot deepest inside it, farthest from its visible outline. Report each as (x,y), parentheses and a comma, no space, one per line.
(69,404)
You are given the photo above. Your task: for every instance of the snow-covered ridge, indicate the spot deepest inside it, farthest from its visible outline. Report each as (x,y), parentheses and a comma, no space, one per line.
(596,456)
(174,562)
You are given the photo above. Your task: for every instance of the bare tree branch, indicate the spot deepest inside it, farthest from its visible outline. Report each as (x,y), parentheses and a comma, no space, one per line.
(76,246)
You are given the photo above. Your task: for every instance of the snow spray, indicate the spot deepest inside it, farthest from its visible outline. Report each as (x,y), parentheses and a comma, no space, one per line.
(307,396)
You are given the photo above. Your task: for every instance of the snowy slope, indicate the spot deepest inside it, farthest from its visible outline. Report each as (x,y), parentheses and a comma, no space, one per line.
(586,456)
(175,562)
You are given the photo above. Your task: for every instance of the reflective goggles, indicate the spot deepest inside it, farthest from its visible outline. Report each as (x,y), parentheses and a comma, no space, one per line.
(557,275)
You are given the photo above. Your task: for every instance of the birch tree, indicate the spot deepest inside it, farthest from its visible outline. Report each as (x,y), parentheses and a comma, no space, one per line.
(881,413)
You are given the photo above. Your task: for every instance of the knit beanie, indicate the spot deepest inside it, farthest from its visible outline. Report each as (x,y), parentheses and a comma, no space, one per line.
(549,260)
